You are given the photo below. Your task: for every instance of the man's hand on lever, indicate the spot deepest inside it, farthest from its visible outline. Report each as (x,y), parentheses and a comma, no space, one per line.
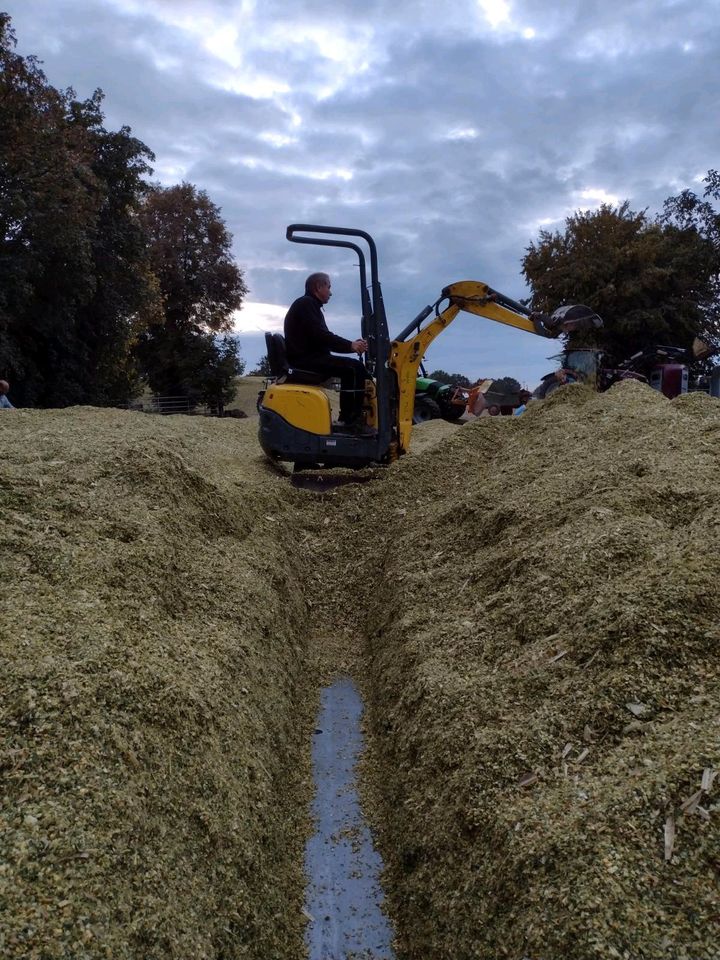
(359,346)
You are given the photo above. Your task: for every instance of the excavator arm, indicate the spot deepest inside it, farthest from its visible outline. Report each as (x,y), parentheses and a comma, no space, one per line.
(472,296)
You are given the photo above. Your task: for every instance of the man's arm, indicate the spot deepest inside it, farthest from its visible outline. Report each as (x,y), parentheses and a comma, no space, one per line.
(335,343)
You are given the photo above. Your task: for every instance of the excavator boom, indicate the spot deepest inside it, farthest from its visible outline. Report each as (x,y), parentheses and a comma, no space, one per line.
(471,296)
(480,299)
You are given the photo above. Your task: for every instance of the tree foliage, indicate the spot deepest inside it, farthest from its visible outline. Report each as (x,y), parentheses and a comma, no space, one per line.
(508,385)
(263,367)
(688,212)
(98,270)
(456,379)
(190,246)
(648,280)
(193,364)
(75,282)
(201,286)
(217,380)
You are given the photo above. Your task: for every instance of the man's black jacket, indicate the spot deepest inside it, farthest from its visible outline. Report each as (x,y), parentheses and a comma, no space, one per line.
(307,338)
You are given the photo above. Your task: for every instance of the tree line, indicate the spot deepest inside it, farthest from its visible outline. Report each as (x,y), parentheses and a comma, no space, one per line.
(107,281)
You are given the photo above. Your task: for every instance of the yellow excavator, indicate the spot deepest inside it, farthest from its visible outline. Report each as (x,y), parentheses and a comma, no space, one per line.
(295,414)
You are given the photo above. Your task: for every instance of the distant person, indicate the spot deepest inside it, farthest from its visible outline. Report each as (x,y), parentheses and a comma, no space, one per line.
(4,402)
(308,343)
(524,396)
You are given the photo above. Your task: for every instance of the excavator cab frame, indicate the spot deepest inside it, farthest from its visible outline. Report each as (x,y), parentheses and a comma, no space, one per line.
(295,420)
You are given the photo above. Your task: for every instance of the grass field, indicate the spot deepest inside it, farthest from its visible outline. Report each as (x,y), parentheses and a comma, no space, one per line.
(246,395)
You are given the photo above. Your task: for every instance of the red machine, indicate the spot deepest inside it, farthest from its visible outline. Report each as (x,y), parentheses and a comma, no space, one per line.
(664,368)
(671,379)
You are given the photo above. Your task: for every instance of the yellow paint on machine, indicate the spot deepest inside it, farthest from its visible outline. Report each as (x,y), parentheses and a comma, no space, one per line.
(405,358)
(306,408)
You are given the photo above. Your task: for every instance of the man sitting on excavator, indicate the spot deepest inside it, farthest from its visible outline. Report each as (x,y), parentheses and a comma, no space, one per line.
(308,343)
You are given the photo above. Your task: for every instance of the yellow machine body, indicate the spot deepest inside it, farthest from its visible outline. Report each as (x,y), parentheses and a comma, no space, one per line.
(304,407)
(370,409)
(405,358)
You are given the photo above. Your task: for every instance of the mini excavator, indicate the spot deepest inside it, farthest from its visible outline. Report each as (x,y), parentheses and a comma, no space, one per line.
(295,415)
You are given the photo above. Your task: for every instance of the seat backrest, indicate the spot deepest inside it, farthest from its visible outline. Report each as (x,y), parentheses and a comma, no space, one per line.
(281,369)
(277,357)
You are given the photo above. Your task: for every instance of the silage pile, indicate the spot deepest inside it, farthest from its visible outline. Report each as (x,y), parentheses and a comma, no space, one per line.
(540,602)
(429,434)
(544,627)
(152,647)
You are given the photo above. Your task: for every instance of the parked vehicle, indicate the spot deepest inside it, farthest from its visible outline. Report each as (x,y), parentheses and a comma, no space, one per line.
(664,368)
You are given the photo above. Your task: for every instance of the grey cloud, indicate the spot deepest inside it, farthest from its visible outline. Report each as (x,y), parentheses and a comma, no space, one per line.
(604,97)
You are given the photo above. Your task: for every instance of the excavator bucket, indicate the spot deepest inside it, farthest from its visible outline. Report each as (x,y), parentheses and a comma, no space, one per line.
(574,316)
(702,350)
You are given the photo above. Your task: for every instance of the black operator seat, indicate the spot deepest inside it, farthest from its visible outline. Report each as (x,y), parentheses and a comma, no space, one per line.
(281,369)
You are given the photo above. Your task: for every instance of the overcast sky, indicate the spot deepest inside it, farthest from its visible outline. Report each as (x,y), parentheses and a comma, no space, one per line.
(452,132)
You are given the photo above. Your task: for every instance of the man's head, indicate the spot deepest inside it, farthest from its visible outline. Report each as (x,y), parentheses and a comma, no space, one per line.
(318,285)
(4,387)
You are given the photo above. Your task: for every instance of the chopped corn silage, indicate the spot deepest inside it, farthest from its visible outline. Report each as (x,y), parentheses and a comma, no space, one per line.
(152,689)
(540,604)
(544,629)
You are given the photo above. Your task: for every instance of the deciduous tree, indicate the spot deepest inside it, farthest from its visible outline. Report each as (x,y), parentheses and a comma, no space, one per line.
(689,212)
(263,368)
(508,385)
(200,283)
(74,279)
(648,280)
(126,297)
(217,380)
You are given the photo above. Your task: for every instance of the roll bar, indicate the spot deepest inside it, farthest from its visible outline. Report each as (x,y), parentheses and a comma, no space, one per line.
(366,305)
(374,318)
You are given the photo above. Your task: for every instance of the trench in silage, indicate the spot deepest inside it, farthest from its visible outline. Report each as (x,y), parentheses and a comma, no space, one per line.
(344,898)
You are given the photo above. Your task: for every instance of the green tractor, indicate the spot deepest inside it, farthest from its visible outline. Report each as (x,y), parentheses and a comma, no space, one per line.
(435,400)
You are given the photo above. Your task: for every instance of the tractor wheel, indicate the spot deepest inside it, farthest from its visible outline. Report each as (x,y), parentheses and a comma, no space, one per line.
(426,409)
(452,411)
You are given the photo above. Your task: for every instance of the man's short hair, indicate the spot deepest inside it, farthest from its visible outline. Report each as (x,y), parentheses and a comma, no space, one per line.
(314,280)
(4,386)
